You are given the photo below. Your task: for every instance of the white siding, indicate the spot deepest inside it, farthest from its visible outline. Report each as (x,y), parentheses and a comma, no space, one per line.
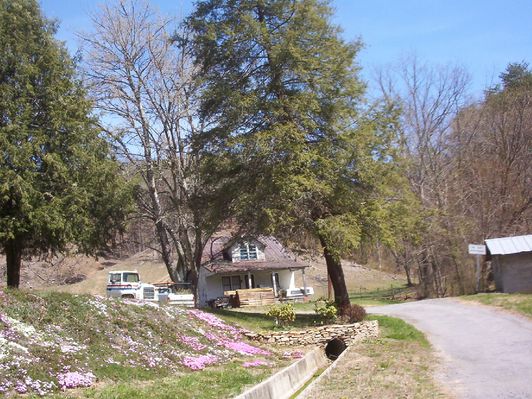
(210,286)
(263,279)
(286,279)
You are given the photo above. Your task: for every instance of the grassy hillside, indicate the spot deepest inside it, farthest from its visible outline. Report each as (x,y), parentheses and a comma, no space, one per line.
(84,346)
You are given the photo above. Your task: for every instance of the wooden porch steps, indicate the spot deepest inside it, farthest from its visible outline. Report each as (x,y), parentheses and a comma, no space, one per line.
(256,297)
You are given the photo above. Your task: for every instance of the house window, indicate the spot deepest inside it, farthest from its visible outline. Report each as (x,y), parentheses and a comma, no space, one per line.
(231,283)
(248,251)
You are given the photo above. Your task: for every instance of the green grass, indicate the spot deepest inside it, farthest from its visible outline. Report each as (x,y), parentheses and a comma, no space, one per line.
(306,384)
(397,329)
(258,321)
(223,382)
(220,382)
(520,303)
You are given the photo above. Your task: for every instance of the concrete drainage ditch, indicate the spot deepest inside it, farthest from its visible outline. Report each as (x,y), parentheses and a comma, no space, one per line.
(287,382)
(334,342)
(307,392)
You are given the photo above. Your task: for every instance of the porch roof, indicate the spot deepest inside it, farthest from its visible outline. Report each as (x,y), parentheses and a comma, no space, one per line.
(239,267)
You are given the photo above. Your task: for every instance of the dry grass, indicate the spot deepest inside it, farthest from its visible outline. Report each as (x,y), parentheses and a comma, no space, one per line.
(387,368)
(358,278)
(151,270)
(51,274)
(518,303)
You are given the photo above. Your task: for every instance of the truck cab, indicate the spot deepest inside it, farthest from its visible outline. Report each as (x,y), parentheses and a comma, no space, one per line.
(127,284)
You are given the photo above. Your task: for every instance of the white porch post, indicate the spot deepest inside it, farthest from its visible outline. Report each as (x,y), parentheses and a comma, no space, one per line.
(304,283)
(274,284)
(249,280)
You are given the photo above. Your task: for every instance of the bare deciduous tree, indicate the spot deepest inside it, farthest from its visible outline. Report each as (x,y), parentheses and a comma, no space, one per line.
(469,165)
(430,98)
(491,145)
(143,84)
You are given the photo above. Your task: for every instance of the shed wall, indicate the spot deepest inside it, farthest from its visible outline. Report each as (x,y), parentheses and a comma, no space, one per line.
(513,273)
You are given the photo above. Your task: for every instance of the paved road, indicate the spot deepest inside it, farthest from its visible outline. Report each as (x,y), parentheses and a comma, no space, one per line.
(486,353)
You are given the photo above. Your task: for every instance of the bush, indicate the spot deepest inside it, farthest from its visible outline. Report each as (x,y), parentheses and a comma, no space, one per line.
(325,309)
(353,313)
(283,314)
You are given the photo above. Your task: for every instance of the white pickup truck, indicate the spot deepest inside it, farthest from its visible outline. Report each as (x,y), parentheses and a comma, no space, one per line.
(127,284)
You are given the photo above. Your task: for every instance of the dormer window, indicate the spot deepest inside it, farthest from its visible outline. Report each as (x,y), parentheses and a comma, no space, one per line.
(248,251)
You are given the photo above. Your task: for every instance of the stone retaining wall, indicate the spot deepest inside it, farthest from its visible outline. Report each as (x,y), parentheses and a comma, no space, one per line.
(349,333)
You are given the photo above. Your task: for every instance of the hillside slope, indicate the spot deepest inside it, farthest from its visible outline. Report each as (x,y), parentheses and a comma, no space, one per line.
(51,342)
(53,274)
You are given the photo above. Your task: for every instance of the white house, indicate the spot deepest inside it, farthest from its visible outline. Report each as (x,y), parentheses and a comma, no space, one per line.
(240,263)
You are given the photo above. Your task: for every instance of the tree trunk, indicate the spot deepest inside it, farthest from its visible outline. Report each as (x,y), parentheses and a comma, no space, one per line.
(166,251)
(336,274)
(193,277)
(13,250)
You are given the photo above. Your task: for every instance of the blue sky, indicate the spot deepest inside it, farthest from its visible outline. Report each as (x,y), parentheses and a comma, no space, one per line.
(482,36)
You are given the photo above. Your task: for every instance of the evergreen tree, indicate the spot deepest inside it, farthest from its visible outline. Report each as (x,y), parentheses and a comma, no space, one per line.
(284,90)
(58,184)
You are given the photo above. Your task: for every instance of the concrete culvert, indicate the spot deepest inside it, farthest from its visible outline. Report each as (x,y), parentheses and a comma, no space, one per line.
(334,348)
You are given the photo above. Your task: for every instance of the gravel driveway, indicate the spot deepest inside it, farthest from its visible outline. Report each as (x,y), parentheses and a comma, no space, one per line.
(486,353)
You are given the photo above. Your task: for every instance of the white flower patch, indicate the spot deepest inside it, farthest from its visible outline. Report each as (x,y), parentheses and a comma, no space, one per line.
(3,348)
(22,328)
(6,345)
(173,311)
(68,345)
(72,347)
(99,305)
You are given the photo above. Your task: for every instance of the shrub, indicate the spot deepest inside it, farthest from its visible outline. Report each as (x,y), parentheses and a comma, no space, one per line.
(325,309)
(283,314)
(353,313)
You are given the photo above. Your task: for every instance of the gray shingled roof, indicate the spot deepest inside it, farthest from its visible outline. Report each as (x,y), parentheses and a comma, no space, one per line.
(276,256)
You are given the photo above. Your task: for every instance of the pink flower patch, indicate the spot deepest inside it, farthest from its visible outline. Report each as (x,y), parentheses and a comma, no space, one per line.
(237,346)
(199,362)
(74,379)
(245,349)
(214,321)
(193,342)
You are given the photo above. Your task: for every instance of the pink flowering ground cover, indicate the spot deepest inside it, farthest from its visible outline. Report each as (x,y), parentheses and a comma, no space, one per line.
(57,342)
(193,342)
(199,362)
(75,379)
(216,322)
(237,346)
(245,348)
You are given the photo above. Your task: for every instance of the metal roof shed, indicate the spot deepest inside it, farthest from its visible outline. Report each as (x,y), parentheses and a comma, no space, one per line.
(511,262)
